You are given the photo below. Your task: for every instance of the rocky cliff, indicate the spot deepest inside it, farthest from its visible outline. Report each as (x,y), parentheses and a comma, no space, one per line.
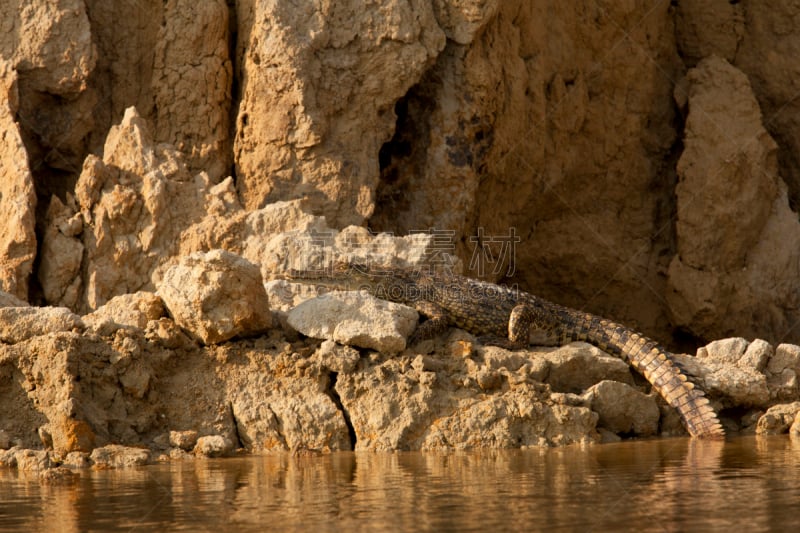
(633,159)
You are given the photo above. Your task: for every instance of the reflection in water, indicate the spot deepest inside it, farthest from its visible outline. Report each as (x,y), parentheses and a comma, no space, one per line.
(662,485)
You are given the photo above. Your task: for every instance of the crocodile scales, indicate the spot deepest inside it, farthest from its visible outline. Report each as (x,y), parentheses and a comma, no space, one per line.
(506,316)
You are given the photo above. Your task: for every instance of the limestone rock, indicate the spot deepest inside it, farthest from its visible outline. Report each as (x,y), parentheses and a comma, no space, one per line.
(758,353)
(21,323)
(191,58)
(733,385)
(77,460)
(50,45)
(709,27)
(9,300)
(117,456)
(319,84)
(782,371)
(28,460)
(134,310)
(336,357)
(739,352)
(5,440)
(184,440)
(795,429)
(778,419)
(414,402)
(356,319)
(283,403)
(462,21)
(216,296)
(213,446)
(766,52)
(17,196)
(577,366)
(61,255)
(623,409)
(137,202)
(53,42)
(736,269)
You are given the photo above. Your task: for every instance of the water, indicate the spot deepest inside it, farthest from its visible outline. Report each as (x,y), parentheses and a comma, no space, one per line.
(749,483)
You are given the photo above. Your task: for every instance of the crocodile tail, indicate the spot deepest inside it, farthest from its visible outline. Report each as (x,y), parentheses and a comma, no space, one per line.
(651,360)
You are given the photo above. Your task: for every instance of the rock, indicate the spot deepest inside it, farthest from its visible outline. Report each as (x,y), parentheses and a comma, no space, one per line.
(216,296)
(778,419)
(708,27)
(134,310)
(724,350)
(32,460)
(59,475)
(438,402)
(68,435)
(766,52)
(61,255)
(758,353)
(213,446)
(184,440)
(733,385)
(17,196)
(9,300)
(356,319)
(737,351)
(623,409)
(77,460)
(336,357)
(578,366)
(117,456)
(782,371)
(299,101)
(192,57)
(5,440)
(795,429)
(139,204)
(737,261)
(18,324)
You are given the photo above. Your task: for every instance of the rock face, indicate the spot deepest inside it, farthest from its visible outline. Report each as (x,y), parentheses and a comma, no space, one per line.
(318,86)
(412,115)
(161,162)
(736,258)
(17,198)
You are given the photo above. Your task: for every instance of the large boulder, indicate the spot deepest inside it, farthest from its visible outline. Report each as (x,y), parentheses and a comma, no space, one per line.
(216,296)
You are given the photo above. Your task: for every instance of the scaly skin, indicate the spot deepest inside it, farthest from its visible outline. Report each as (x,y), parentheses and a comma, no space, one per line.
(505,317)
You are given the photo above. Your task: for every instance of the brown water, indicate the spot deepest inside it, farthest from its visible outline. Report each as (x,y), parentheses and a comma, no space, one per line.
(749,483)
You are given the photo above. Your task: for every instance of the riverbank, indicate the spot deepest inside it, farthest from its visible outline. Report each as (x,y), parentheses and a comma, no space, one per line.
(128,385)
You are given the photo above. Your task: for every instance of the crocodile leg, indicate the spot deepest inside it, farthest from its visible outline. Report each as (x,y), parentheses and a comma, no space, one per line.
(436,323)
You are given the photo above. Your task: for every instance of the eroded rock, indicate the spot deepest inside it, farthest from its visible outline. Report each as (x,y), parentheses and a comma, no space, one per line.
(216,296)
(623,409)
(17,195)
(778,419)
(184,440)
(133,310)
(117,456)
(737,260)
(356,319)
(213,446)
(18,324)
(301,102)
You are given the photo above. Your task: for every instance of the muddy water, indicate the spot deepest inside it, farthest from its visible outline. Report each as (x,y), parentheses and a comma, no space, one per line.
(749,483)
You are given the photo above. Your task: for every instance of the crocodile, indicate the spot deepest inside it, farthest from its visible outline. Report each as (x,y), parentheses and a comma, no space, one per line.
(506,316)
